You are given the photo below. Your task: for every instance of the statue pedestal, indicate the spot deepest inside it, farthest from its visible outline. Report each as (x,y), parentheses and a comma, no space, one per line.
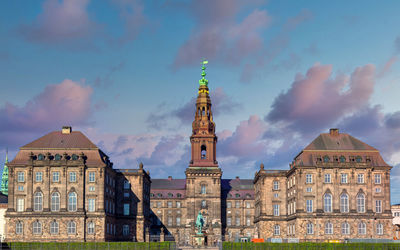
(198,240)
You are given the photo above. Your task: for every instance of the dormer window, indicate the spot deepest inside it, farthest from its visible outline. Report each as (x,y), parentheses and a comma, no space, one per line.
(170,195)
(40,157)
(326,158)
(358,159)
(203,152)
(342,159)
(57,157)
(74,157)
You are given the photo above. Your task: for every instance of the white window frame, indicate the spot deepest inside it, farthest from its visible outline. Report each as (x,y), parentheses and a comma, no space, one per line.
(308,178)
(20,204)
(19,227)
(277,229)
(56,176)
(21,176)
(360,200)
(72,202)
(328,228)
(378,206)
(38,177)
(378,179)
(276,185)
(360,178)
(379,229)
(92,176)
(276,209)
(309,206)
(362,228)
(344,203)
(71,227)
(310,228)
(344,178)
(72,176)
(54,227)
(327,203)
(91,205)
(37,227)
(345,228)
(327,178)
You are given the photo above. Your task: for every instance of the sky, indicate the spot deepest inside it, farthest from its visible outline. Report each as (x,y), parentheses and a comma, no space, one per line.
(125,73)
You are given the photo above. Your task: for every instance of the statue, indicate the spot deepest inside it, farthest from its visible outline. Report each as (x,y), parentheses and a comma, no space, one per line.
(200,222)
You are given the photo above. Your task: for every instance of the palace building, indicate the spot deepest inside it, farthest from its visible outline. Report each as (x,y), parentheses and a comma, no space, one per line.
(62,187)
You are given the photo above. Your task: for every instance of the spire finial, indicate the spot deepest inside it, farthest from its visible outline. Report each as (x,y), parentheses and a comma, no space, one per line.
(203,80)
(6,155)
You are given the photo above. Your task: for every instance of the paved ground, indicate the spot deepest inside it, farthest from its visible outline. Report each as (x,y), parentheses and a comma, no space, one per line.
(198,248)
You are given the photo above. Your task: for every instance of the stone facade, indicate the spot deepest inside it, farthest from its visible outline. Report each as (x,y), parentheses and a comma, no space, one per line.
(63,188)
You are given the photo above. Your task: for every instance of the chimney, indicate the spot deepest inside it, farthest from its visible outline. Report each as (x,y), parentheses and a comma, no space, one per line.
(334,131)
(66,130)
(169,178)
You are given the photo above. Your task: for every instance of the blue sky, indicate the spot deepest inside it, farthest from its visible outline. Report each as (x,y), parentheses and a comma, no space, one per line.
(126,72)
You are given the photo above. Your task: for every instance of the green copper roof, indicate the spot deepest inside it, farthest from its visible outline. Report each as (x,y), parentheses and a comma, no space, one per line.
(203,80)
(4,178)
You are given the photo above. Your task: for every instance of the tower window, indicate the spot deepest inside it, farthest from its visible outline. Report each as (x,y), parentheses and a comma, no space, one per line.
(203,152)
(204,111)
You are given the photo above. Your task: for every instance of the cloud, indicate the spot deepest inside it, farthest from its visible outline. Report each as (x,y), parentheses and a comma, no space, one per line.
(218,36)
(60,22)
(221,103)
(131,12)
(387,67)
(317,100)
(274,47)
(66,103)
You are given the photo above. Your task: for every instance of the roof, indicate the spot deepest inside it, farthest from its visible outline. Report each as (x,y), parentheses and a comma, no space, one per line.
(170,184)
(342,141)
(335,144)
(57,139)
(237,184)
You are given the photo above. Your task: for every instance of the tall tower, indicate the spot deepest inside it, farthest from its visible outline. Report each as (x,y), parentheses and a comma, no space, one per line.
(4,177)
(203,176)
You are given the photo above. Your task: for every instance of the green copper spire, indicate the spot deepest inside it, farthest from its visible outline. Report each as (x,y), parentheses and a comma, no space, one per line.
(203,80)
(4,177)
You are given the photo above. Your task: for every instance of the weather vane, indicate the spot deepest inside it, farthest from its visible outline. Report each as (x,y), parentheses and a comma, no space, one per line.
(203,80)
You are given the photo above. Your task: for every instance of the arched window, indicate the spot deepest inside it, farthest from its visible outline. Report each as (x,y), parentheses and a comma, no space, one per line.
(360,203)
(203,152)
(277,230)
(379,229)
(74,157)
(71,227)
(328,228)
(237,195)
(358,159)
(344,203)
(310,228)
(345,228)
(203,189)
(204,111)
(342,159)
(151,195)
(40,157)
(170,195)
(55,202)
(38,202)
(362,229)
(178,195)
(90,227)
(72,202)
(57,157)
(37,227)
(159,195)
(19,228)
(326,158)
(54,227)
(327,203)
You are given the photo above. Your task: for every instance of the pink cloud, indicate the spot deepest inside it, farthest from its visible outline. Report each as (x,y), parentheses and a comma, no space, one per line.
(60,22)
(66,103)
(388,65)
(317,100)
(217,34)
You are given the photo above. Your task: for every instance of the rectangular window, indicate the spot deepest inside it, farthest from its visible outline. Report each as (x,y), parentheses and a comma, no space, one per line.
(229,221)
(237,221)
(178,221)
(203,189)
(127,185)
(237,204)
(21,176)
(308,178)
(309,189)
(343,178)
(56,176)
(169,203)
(20,188)
(327,178)
(72,177)
(20,205)
(378,206)
(276,185)
(229,204)
(248,221)
(248,205)
(377,190)
(169,219)
(126,208)
(92,205)
(126,194)
(309,206)
(125,230)
(377,178)
(360,178)
(92,188)
(159,204)
(178,204)
(39,177)
(92,176)
(276,209)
